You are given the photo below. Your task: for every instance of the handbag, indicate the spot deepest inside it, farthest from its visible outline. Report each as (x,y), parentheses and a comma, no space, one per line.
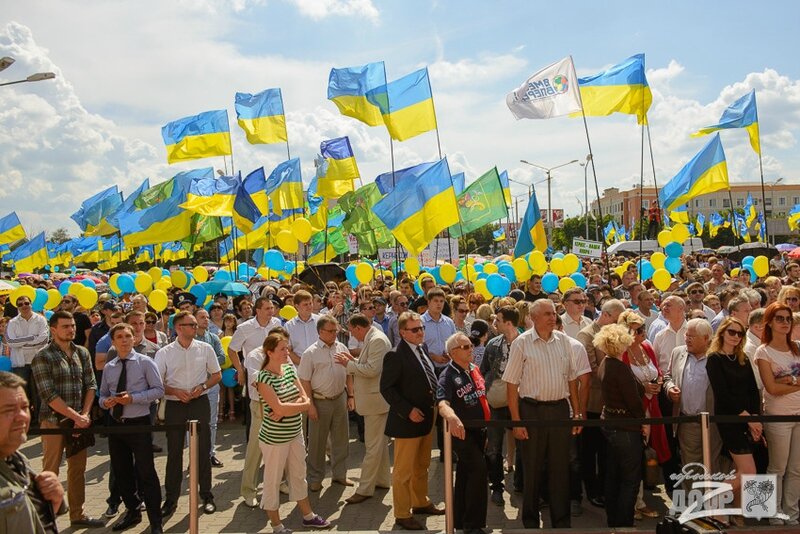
(651,469)
(75,443)
(497,396)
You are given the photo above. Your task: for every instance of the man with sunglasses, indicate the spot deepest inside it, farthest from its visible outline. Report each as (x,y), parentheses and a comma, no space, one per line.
(399,305)
(573,318)
(26,334)
(697,293)
(408,383)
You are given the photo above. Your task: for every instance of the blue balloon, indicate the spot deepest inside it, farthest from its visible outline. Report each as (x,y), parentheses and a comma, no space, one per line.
(5,363)
(274,260)
(748,260)
(673,250)
(550,282)
(481,276)
(56,269)
(417,289)
(672,265)
(580,280)
(200,292)
(125,283)
(437,275)
(498,285)
(478,267)
(89,283)
(580,266)
(73,269)
(508,271)
(558,255)
(459,276)
(39,300)
(48,314)
(165,272)
(220,274)
(229,378)
(63,288)
(251,271)
(647,269)
(243,270)
(46,267)
(288,266)
(749,269)
(350,274)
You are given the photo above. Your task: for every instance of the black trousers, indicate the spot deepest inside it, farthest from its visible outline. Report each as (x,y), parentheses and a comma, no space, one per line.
(593,458)
(132,463)
(623,475)
(546,446)
(494,453)
(178,412)
(470,498)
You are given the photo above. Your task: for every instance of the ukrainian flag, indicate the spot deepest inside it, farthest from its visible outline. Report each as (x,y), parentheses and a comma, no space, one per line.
(31,255)
(348,88)
(284,187)
(338,169)
(622,88)
(679,215)
(794,218)
(261,116)
(92,216)
(610,233)
(199,136)
(145,254)
(255,185)
(531,235)
(741,114)
(129,204)
(506,188)
(387,181)
(499,234)
(707,172)
(699,223)
(406,105)
(11,229)
(417,210)
(459,183)
(245,212)
(212,196)
(750,211)
(714,224)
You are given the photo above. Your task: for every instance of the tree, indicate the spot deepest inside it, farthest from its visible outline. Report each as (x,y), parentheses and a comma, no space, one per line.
(59,235)
(480,241)
(576,227)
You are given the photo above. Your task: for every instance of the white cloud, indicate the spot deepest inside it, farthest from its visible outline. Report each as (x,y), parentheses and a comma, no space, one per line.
(664,75)
(485,70)
(320,9)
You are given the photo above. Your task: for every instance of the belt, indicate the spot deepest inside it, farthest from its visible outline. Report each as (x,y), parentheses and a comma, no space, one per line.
(133,420)
(319,396)
(542,403)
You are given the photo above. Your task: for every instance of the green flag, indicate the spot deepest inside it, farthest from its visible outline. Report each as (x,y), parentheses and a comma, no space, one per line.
(204,229)
(480,204)
(362,222)
(154,195)
(337,244)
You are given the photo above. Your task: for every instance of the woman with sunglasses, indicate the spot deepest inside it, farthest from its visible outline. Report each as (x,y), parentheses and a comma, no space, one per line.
(460,311)
(151,332)
(790,296)
(735,393)
(778,360)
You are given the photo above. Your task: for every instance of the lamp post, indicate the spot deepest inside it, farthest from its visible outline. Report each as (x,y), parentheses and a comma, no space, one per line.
(38,77)
(585,166)
(772,202)
(6,62)
(549,206)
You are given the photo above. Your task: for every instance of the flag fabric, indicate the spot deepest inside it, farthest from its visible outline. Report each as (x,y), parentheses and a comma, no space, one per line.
(245,211)
(361,221)
(760,227)
(459,183)
(499,234)
(610,233)
(406,105)
(322,250)
(31,255)
(92,216)
(212,196)
(622,88)
(532,235)
(11,229)
(199,136)
(699,223)
(679,215)
(741,114)
(794,218)
(202,229)
(254,184)
(261,116)
(417,210)
(314,201)
(388,180)
(707,172)
(550,92)
(348,88)
(506,188)
(129,204)
(714,224)
(749,211)
(336,168)
(284,186)
(480,204)
(145,254)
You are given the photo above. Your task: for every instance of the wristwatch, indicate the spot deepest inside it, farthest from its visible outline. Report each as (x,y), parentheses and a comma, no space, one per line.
(794,380)
(204,386)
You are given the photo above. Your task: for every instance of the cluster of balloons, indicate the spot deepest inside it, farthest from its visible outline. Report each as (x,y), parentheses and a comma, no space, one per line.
(289,239)
(662,265)
(756,266)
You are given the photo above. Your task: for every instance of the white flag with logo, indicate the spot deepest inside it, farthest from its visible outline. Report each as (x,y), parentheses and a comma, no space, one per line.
(551,92)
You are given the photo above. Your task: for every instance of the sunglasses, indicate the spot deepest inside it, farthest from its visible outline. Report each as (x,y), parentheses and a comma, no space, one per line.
(463,347)
(578,301)
(190,325)
(328,330)
(150,322)
(792,299)
(402,304)
(23,304)
(696,291)
(415,330)
(462,310)
(783,318)
(736,333)
(639,330)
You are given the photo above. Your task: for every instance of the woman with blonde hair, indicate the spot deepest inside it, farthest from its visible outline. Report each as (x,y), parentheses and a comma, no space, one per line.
(773,285)
(790,296)
(735,393)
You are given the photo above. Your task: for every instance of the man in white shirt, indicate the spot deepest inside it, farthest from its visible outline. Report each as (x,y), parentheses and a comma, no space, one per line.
(644,307)
(674,311)
(573,319)
(252,458)
(26,334)
(251,334)
(303,328)
(188,368)
(697,293)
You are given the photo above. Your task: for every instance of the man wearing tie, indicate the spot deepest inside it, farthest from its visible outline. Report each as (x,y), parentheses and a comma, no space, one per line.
(408,384)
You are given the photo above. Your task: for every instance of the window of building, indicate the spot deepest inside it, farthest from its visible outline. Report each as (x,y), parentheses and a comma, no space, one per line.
(796,200)
(698,203)
(726,203)
(781,201)
(646,204)
(739,202)
(768,202)
(712,202)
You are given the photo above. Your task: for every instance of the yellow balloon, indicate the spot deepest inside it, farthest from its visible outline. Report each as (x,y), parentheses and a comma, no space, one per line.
(627,264)
(664,238)
(287,241)
(158,300)
(521,269)
(301,229)
(112,283)
(179,279)
(557,266)
(448,273)
(571,263)
(87,297)
(143,283)
(155,273)
(538,262)
(225,341)
(164,284)
(53,299)
(263,272)
(469,273)
(23,291)
(411,266)
(480,287)
(73,290)
(657,259)
(761,266)
(489,268)
(200,274)
(364,272)
(619,269)
(288,312)
(734,272)
(662,279)
(680,233)
(565,283)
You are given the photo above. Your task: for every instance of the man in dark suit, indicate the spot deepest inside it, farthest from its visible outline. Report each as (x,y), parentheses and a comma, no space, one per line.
(408,383)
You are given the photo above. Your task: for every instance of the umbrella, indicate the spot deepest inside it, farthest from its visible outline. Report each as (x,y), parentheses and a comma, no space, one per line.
(785,247)
(748,249)
(7,287)
(795,254)
(317,274)
(225,287)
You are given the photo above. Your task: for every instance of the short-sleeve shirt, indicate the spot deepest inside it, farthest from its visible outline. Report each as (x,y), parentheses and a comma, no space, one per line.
(457,387)
(542,369)
(285,387)
(781,363)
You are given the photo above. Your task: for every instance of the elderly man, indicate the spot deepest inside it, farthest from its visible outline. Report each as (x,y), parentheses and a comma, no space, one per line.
(688,388)
(718,280)
(366,372)
(671,335)
(592,442)
(34,504)
(408,382)
(462,395)
(331,394)
(738,307)
(542,383)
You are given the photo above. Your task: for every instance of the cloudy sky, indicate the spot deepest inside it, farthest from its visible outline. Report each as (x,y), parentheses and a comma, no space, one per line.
(125,68)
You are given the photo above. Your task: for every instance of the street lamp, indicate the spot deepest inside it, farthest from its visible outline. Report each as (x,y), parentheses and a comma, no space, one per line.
(39,76)
(6,62)
(549,206)
(771,202)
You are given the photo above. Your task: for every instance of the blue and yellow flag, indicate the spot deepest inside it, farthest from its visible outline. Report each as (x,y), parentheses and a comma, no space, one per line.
(740,114)
(245,211)
(679,215)
(388,180)
(761,227)
(145,254)
(129,204)
(506,188)
(92,216)
(199,136)
(499,234)
(707,172)
(714,224)
(11,229)
(699,223)
(255,185)
(750,211)
(794,218)
(336,169)
(212,196)
(31,255)
(418,209)
(348,88)
(622,88)
(261,116)
(459,183)
(532,235)
(284,187)
(406,105)
(610,233)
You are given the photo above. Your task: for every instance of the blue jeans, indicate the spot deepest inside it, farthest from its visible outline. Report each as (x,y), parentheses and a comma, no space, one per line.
(213,401)
(623,475)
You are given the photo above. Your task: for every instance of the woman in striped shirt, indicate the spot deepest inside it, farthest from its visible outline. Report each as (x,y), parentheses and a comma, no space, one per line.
(280,437)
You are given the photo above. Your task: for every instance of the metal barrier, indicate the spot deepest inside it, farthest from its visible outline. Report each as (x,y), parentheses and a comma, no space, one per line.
(193,427)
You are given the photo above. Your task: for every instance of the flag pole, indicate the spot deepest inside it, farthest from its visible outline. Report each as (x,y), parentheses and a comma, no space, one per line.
(653,165)
(763,193)
(641,194)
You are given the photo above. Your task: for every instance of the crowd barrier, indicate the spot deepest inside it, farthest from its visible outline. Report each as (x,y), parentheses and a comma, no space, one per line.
(191,426)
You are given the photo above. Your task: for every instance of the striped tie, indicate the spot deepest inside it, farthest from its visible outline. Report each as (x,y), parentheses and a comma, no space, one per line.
(428,371)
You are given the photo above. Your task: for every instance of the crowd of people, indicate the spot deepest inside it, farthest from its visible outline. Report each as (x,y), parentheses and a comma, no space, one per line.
(397,362)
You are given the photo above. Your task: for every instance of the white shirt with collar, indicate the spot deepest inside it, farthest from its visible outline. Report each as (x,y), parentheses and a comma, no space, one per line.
(666,340)
(302,334)
(542,369)
(317,366)
(250,335)
(253,362)
(572,327)
(186,368)
(26,337)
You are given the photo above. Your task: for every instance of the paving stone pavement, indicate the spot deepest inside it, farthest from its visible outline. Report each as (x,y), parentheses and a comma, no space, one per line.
(233,516)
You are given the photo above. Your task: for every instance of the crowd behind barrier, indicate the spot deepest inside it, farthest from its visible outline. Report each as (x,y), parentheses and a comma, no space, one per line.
(585,384)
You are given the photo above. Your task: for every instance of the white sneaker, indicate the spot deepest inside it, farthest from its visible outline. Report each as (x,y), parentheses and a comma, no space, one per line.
(284,488)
